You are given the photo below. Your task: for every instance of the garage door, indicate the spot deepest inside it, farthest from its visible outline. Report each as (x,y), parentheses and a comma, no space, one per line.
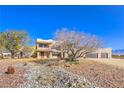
(104,55)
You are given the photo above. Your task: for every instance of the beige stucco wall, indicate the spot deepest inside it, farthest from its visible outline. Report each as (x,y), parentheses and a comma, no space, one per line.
(48,54)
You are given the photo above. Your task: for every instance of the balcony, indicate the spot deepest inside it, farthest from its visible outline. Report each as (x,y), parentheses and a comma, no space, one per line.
(44,49)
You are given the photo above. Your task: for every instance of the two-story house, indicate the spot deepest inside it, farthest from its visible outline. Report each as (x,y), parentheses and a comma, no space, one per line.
(44,50)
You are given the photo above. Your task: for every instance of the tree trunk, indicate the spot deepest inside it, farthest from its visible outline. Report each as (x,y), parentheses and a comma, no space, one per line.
(21,54)
(71,58)
(1,54)
(12,54)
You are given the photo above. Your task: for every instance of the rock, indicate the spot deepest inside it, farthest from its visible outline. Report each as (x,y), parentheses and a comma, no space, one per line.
(10,70)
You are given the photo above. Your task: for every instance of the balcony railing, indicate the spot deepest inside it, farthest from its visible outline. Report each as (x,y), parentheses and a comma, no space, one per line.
(44,49)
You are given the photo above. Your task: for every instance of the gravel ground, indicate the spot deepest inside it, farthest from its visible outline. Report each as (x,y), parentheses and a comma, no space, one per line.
(67,79)
(32,73)
(42,76)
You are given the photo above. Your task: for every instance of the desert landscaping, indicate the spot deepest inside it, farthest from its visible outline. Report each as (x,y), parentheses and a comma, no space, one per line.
(87,73)
(72,60)
(69,59)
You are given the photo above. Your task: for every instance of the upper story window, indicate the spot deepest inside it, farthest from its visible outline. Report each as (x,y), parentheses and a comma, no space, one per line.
(43,46)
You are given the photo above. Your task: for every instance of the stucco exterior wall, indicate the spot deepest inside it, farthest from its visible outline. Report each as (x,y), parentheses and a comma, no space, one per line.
(99,53)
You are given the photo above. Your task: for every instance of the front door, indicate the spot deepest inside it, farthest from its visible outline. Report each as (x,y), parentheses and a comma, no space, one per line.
(42,54)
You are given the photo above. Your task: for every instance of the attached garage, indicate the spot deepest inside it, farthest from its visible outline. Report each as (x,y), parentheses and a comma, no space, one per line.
(92,55)
(104,55)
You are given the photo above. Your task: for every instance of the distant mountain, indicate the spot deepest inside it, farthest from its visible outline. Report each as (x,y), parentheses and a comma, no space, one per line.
(118,52)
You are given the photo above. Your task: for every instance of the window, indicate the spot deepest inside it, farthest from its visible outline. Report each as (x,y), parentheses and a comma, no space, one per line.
(42,45)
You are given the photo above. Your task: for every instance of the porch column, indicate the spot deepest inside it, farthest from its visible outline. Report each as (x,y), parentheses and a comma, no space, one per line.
(99,54)
(50,55)
(61,53)
(38,55)
(109,55)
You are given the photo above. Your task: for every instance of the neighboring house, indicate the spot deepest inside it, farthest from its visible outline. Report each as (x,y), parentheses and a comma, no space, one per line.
(25,52)
(6,54)
(44,50)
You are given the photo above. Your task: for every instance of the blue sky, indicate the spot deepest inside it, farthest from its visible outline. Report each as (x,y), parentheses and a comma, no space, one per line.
(106,22)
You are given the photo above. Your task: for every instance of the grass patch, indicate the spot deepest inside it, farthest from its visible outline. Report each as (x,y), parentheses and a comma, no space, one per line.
(73,62)
(117,56)
(27,60)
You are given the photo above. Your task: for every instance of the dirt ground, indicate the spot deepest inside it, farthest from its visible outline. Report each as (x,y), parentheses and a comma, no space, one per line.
(114,62)
(10,80)
(103,73)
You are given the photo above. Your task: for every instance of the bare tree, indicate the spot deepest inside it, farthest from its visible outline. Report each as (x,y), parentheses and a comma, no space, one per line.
(74,43)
